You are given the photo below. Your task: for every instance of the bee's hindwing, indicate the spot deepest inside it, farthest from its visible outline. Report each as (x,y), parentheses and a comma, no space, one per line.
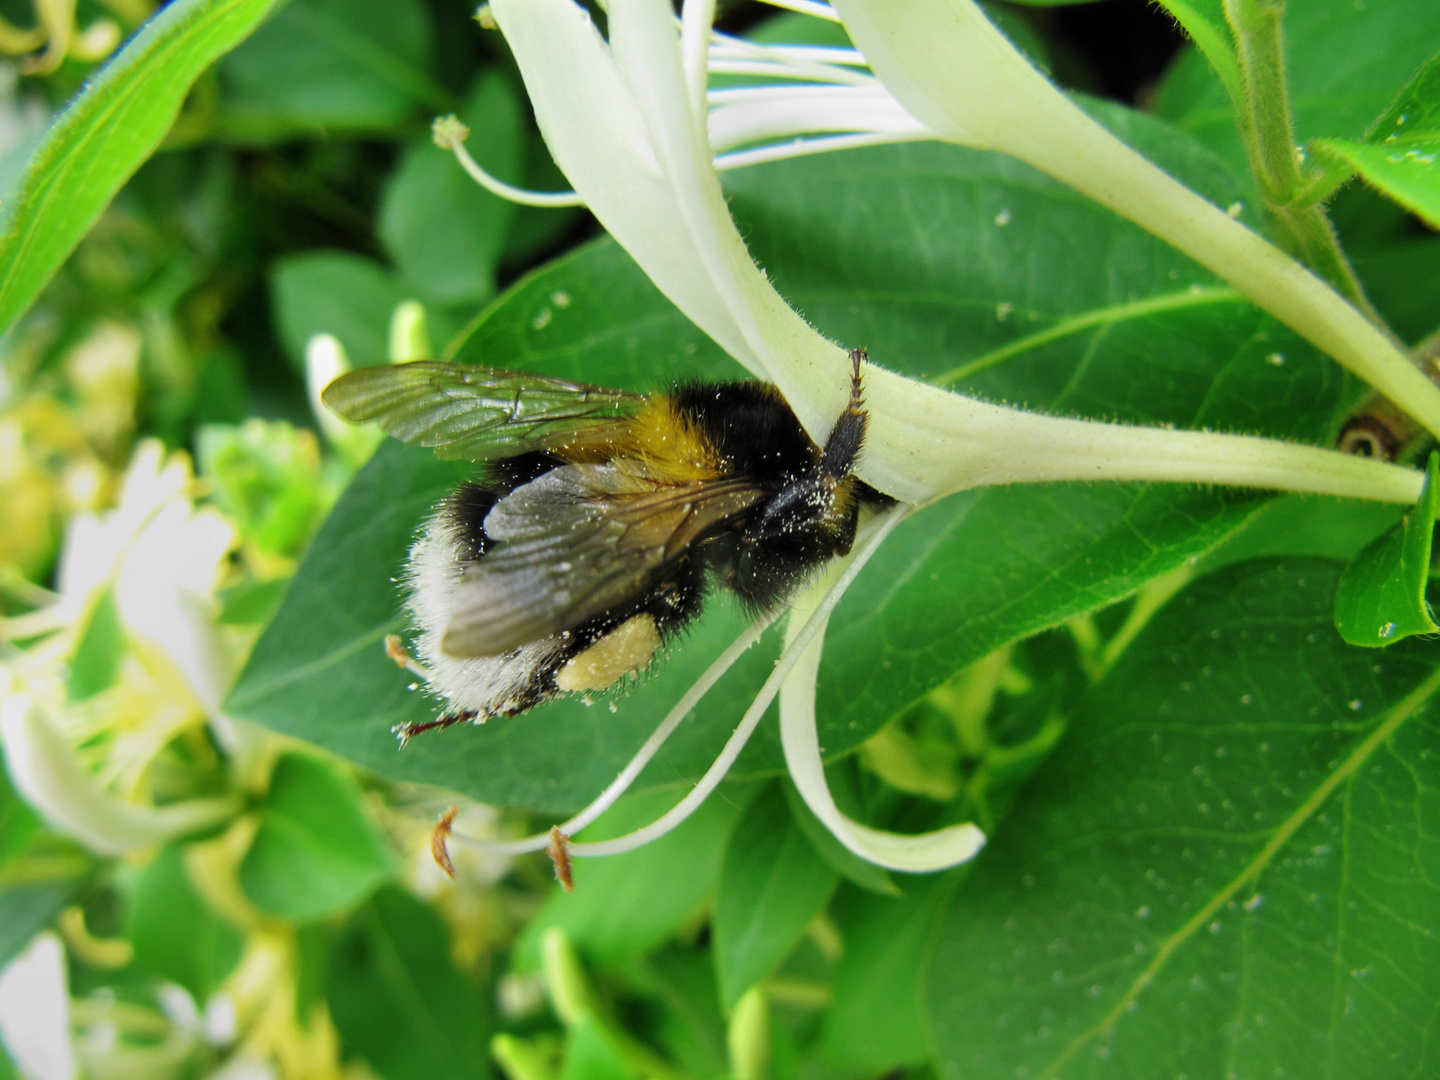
(579,541)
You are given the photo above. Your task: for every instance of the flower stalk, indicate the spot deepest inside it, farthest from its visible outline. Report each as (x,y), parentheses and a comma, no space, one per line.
(956,73)
(1267,131)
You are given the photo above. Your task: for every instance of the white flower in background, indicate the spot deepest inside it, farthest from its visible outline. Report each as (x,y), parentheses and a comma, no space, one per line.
(634,126)
(35,1011)
(159,558)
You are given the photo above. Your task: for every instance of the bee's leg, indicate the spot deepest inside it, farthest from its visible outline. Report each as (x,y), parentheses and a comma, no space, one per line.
(406,732)
(846,437)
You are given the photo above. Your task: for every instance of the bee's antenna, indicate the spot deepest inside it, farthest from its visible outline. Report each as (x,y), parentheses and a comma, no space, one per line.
(843,446)
(857,400)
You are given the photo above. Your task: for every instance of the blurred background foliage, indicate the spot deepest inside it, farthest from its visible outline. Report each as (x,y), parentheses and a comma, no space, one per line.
(305,932)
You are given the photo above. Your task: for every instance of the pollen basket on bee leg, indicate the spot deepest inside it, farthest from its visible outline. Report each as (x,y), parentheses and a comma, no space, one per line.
(624,651)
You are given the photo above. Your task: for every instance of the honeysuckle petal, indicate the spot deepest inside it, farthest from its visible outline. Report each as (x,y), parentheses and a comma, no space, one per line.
(35,1011)
(618,121)
(51,778)
(824,598)
(920,853)
(163,593)
(954,71)
(748,114)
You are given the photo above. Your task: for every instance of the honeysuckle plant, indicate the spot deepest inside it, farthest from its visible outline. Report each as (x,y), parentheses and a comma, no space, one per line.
(1107,629)
(632,122)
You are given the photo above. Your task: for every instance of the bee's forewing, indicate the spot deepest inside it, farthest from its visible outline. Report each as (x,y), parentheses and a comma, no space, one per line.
(475,413)
(577,542)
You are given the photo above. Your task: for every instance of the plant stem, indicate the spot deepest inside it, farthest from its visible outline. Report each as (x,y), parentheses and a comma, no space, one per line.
(1267,131)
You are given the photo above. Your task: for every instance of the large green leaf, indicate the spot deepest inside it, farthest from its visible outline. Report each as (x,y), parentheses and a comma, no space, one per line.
(396,997)
(1229,867)
(876,1021)
(772,882)
(315,851)
(175,934)
(325,65)
(339,293)
(948,264)
(444,232)
(105,134)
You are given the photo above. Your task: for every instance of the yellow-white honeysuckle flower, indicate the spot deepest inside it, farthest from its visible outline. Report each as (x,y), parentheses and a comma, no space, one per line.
(158,559)
(35,1011)
(631,122)
(51,777)
(161,556)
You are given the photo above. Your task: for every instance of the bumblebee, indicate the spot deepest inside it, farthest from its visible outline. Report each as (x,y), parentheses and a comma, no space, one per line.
(599,519)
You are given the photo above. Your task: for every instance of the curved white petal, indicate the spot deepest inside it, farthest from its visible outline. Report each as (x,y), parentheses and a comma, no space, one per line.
(35,1011)
(752,113)
(914,854)
(953,70)
(619,122)
(52,779)
(867,540)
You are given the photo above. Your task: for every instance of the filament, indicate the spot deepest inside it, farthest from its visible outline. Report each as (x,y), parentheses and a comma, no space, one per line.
(651,746)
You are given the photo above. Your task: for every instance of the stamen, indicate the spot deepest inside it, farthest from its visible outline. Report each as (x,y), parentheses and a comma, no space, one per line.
(817,73)
(722,45)
(559,852)
(651,747)
(807,7)
(438,851)
(450,134)
(803,147)
(877,528)
(395,650)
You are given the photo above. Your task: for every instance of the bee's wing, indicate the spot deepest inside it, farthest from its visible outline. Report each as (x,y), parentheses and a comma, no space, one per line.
(576,542)
(475,413)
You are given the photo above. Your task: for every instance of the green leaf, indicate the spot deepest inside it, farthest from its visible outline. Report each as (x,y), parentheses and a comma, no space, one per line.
(1400,152)
(26,909)
(444,231)
(315,851)
(1381,599)
(396,997)
(1226,870)
(841,859)
(18,823)
(772,882)
(1204,21)
(97,657)
(591,1054)
(1345,63)
(628,904)
(875,1022)
(105,134)
(339,293)
(965,268)
(175,934)
(322,66)
(251,603)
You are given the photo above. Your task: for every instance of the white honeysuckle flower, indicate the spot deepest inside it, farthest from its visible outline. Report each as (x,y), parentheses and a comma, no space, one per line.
(51,778)
(35,1011)
(163,559)
(160,559)
(634,127)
